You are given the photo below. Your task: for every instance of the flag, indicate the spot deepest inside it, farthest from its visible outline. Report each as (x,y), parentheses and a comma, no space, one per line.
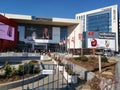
(80,36)
(68,40)
(64,42)
(60,43)
(73,39)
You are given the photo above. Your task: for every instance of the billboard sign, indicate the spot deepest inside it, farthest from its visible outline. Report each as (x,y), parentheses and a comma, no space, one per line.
(95,42)
(101,39)
(103,35)
(38,32)
(6,32)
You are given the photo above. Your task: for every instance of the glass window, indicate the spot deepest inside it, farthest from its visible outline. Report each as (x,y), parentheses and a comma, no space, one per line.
(99,21)
(63,33)
(21,30)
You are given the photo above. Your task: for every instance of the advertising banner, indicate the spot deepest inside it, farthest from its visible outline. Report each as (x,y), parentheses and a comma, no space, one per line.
(6,32)
(101,39)
(95,42)
(38,32)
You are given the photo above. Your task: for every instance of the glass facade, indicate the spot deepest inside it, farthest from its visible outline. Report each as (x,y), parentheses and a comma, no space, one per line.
(21,30)
(100,21)
(63,33)
(38,32)
(26,34)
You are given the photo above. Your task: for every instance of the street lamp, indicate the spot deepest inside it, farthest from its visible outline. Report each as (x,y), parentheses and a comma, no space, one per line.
(99,53)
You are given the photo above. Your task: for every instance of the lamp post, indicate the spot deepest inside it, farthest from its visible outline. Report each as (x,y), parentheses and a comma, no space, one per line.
(99,53)
(99,56)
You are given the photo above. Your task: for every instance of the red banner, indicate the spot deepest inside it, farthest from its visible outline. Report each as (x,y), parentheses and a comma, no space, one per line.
(64,42)
(91,33)
(80,36)
(68,40)
(73,39)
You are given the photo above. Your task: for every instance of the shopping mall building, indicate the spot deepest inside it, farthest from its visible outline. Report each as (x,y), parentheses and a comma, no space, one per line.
(91,29)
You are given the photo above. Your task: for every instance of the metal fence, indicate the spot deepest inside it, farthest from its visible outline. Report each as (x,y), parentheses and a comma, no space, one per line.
(45,77)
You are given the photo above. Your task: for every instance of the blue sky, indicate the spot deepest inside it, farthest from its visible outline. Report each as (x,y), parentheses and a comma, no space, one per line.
(53,8)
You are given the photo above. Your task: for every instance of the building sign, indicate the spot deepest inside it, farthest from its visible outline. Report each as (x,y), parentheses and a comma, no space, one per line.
(101,39)
(91,33)
(41,18)
(95,42)
(48,71)
(103,35)
(114,14)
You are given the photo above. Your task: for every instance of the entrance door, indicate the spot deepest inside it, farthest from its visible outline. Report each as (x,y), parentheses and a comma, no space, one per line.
(41,48)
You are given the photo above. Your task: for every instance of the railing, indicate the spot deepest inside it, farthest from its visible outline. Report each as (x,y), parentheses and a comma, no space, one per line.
(23,54)
(48,77)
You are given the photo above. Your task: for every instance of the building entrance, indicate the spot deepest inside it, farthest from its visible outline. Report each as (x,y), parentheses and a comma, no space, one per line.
(41,48)
(47,47)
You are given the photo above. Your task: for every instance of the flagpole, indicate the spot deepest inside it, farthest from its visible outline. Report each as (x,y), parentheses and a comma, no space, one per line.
(69,45)
(81,45)
(80,42)
(81,48)
(65,43)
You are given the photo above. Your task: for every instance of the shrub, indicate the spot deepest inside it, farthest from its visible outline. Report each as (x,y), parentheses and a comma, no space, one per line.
(14,71)
(69,70)
(60,63)
(34,66)
(20,70)
(84,58)
(30,67)
(33,62)
(93,58)
(77,58)
(8,70)
(104,59)
(23,69)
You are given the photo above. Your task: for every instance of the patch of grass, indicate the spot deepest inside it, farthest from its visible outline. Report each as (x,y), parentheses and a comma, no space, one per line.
(84,58)
(104,59)
(77,58)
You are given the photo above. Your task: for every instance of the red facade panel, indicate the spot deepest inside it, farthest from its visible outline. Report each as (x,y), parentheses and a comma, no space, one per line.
(4,44)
